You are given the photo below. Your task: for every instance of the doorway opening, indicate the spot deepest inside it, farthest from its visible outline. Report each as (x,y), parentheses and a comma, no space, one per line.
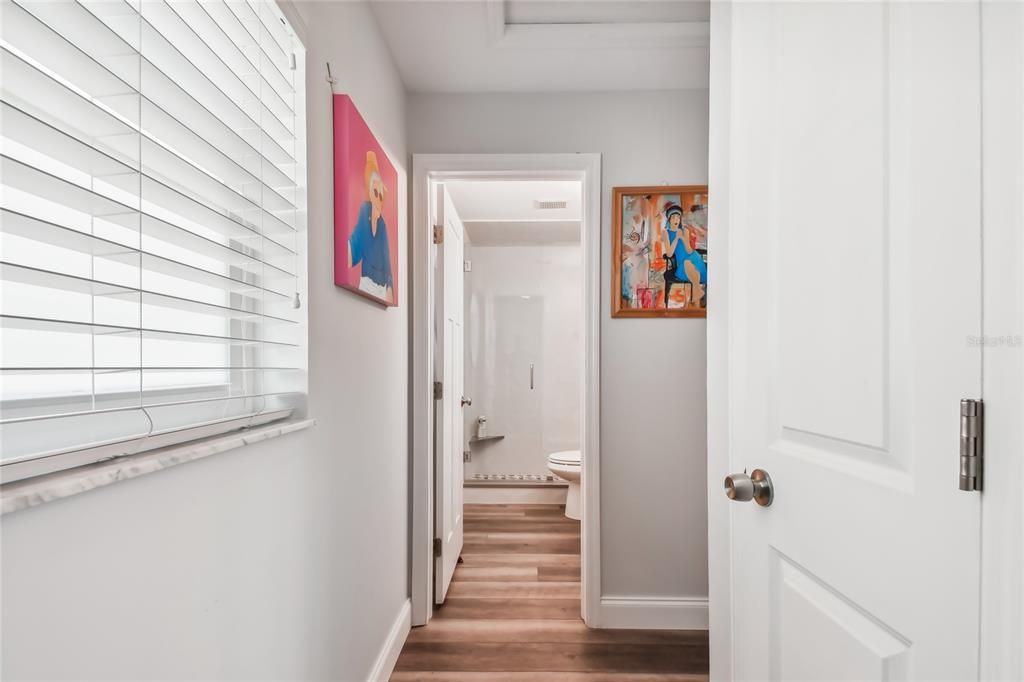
(522,330)
(505,361)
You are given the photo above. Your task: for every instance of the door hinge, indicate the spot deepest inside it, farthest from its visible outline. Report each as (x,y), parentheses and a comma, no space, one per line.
(972,450)
(439,234)
(438,390)
(437,547)
(467,266)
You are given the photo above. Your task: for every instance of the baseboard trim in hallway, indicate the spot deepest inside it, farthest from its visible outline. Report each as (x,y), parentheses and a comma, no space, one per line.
(654,612)
(513,614)
(544,677)
(388,656)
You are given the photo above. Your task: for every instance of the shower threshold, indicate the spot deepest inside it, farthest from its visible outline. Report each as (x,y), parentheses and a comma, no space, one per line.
(514,481)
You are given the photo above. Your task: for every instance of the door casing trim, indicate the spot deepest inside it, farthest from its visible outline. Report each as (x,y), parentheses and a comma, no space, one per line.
(720,576)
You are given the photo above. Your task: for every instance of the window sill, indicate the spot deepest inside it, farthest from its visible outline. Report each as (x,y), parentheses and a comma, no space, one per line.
(33,492)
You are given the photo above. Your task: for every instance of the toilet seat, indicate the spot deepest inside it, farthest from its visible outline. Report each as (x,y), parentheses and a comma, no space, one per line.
(565,458)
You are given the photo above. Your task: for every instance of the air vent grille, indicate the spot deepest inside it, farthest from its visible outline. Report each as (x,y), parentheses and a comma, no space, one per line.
(549,205)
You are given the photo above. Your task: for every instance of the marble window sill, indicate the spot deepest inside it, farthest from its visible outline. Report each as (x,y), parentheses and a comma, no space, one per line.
(33,492)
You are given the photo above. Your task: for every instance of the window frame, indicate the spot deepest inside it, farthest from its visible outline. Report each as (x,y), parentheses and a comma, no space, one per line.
(40,464)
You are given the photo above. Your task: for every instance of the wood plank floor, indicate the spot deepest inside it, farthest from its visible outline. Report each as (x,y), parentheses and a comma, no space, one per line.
(513,614)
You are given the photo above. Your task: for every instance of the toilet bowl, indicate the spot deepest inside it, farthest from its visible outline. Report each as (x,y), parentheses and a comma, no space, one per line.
(566,465)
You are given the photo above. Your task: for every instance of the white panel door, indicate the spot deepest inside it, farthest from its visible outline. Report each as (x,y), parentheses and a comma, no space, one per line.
(448,470)
(855,284)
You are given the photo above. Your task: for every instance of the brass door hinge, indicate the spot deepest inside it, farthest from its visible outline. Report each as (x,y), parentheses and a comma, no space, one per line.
(437,547)
(438,234)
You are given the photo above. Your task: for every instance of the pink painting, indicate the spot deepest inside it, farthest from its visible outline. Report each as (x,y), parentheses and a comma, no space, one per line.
(365,209)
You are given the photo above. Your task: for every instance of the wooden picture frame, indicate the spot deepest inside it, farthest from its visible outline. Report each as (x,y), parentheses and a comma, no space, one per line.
(656,260)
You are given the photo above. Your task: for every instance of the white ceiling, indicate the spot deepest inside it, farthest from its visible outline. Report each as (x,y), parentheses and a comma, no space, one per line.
(603,11)
(490,200)
(505,212)
(547,45)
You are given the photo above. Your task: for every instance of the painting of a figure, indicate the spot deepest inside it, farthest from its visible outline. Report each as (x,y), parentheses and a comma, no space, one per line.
(660,251)
(365,209)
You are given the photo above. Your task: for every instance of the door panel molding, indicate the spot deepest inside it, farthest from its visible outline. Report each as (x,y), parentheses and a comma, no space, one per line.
(843,631)
(847,459)
(821,393)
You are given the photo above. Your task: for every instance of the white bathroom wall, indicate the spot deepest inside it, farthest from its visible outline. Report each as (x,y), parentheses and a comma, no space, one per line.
(283,560)
(653,371)
(523,306)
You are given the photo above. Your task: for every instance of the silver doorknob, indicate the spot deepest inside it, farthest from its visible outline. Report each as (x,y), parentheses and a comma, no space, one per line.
(757,487)
(466,401)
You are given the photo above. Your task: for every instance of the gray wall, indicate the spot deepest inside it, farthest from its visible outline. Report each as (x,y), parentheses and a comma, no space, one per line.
(653,436)
(281,560)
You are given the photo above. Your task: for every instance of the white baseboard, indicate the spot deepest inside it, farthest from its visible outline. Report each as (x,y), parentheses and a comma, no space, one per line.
(654,613)
(509,495)
(388,656)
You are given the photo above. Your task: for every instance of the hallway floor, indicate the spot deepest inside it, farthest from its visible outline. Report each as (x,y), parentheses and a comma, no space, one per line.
(513,614)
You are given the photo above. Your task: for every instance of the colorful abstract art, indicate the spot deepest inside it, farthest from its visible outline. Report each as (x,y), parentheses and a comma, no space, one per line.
(660,251)
(365,209)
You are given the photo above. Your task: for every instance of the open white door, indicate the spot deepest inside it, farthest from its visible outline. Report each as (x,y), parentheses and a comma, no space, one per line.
(448,363)
(854,296)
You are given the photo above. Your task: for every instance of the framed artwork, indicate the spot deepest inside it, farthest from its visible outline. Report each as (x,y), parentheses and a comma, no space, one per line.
(660,251)
(365,209)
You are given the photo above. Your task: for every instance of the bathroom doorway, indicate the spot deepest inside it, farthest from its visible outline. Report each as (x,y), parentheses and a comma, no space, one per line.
(523,323)
(531,228)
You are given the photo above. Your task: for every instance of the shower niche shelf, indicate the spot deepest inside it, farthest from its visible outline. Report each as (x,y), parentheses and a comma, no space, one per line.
(485,439)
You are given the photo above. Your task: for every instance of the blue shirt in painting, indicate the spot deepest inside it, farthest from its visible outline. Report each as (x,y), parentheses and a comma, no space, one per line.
(370,249)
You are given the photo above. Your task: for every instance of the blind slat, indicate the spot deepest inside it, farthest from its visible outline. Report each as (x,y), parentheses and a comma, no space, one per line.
(190,248)
(136,430)
(274,52)
(221,48)
(230,400)
(45,324)
(193,175)
(243,44)
(51,192)
(16,273)
(117,88)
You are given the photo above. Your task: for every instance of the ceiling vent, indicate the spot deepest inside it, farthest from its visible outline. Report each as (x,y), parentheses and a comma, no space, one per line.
(549,205)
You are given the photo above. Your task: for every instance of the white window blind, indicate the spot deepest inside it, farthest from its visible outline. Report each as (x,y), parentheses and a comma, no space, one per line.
(152,236)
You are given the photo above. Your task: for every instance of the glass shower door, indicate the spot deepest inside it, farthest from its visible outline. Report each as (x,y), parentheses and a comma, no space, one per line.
(508,369)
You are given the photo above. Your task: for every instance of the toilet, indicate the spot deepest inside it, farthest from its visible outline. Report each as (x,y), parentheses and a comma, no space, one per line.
(566,465)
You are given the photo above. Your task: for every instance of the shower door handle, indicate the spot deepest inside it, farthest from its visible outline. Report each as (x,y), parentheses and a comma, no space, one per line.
(531,376)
